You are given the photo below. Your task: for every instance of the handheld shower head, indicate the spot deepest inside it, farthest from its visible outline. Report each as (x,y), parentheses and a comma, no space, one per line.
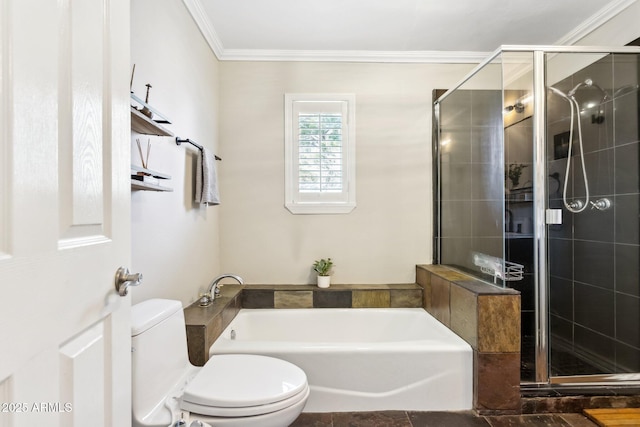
(573,206)
(588,83)
(558,92)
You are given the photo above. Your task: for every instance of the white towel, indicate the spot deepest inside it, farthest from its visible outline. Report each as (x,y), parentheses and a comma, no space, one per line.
(206,179)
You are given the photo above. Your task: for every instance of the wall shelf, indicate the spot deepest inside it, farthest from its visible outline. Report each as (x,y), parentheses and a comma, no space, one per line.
(143,178)
(520,195)
(144,125)
(147,179)
(146,186)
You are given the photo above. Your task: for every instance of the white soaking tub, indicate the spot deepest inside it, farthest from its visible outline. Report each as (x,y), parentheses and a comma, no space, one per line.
(361,359)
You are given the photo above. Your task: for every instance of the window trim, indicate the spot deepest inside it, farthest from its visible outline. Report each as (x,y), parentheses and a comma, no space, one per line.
(301,205)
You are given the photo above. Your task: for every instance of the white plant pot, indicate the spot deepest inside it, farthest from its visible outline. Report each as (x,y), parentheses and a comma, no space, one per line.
(324,281)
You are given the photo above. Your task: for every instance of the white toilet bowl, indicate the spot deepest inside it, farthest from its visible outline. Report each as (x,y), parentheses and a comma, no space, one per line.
(249,390)
(230,390)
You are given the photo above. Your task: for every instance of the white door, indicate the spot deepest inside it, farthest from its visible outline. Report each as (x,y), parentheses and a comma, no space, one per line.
(64,212)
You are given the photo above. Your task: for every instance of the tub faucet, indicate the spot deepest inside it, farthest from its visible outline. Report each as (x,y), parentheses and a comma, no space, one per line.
(214,288)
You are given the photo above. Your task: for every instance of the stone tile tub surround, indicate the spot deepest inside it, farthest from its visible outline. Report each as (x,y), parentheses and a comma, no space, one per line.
(337,296)
(488,318)
(205,324)
(485,316)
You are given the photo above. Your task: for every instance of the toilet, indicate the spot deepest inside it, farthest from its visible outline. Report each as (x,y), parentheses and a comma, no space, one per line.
(231,390)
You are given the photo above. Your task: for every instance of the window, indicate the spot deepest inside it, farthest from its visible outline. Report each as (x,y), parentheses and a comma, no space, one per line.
(320,153)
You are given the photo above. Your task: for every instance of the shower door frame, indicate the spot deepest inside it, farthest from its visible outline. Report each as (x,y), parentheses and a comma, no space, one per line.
(541,213)
(541,210)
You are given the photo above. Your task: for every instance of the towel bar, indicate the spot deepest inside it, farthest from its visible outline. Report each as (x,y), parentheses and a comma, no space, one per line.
(188,141)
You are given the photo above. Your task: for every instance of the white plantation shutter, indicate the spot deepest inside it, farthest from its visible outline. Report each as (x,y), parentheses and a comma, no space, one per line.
(319,145)
(320,153)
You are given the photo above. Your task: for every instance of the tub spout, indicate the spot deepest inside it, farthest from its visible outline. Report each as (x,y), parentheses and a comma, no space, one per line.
(214,288)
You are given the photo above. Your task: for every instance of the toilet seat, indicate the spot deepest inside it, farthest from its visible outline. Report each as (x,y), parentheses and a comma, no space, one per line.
(238,385)
(248,411)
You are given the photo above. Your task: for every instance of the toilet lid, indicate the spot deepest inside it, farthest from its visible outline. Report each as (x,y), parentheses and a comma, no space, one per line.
(242,380)
(246,411)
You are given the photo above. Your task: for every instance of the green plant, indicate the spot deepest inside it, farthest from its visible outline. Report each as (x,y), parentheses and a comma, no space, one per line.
(514,172)
(323,266)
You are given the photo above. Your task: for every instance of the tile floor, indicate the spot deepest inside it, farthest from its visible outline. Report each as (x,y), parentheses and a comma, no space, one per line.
(437,419)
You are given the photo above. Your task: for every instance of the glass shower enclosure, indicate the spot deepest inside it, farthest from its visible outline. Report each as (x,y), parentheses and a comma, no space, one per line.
(537,184)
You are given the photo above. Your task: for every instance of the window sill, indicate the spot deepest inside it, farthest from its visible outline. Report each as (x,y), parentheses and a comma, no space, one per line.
(320,208)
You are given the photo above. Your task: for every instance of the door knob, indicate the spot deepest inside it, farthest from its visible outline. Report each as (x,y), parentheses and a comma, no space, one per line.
(124,279)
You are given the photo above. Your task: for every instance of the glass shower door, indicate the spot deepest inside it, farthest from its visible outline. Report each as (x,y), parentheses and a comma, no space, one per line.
(592,160)
(518,114)
(470,170)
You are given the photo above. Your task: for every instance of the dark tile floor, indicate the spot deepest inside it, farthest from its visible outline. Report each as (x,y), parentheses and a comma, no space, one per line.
(562,362)
(437,419)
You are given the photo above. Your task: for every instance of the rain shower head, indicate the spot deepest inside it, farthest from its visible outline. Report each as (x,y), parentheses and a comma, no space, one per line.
(625,90)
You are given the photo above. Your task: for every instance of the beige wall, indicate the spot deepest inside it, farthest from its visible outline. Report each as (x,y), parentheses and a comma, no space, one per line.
(174,242)
(180,247)
(389,232)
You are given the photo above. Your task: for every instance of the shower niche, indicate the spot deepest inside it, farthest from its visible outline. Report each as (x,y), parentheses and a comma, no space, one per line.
(537,188)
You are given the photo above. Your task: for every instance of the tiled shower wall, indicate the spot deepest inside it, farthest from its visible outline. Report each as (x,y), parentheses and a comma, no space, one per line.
(519,245)
(473,185)
(594,255)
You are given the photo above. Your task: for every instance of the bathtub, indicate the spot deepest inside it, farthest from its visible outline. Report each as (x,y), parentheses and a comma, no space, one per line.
(361,359)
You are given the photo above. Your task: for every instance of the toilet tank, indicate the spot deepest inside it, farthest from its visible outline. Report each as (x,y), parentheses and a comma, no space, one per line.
(158,352)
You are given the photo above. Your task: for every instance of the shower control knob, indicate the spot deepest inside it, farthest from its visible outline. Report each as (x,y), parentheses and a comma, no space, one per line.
(601,204)
(576,204)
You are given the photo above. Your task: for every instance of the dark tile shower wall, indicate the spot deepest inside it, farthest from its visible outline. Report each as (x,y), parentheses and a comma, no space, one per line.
(472,185)
(518,150)
(594,255)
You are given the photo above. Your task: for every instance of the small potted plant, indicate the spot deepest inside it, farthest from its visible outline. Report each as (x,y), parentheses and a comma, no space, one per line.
(323,268)
(514,172)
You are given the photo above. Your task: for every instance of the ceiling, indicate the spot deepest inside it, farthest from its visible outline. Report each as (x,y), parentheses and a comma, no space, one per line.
(392,29)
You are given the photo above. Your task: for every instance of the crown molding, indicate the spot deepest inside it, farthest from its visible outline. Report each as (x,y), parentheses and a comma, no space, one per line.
(600,18)
(198,14)
(204,24)
(201,19)
(438,57)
